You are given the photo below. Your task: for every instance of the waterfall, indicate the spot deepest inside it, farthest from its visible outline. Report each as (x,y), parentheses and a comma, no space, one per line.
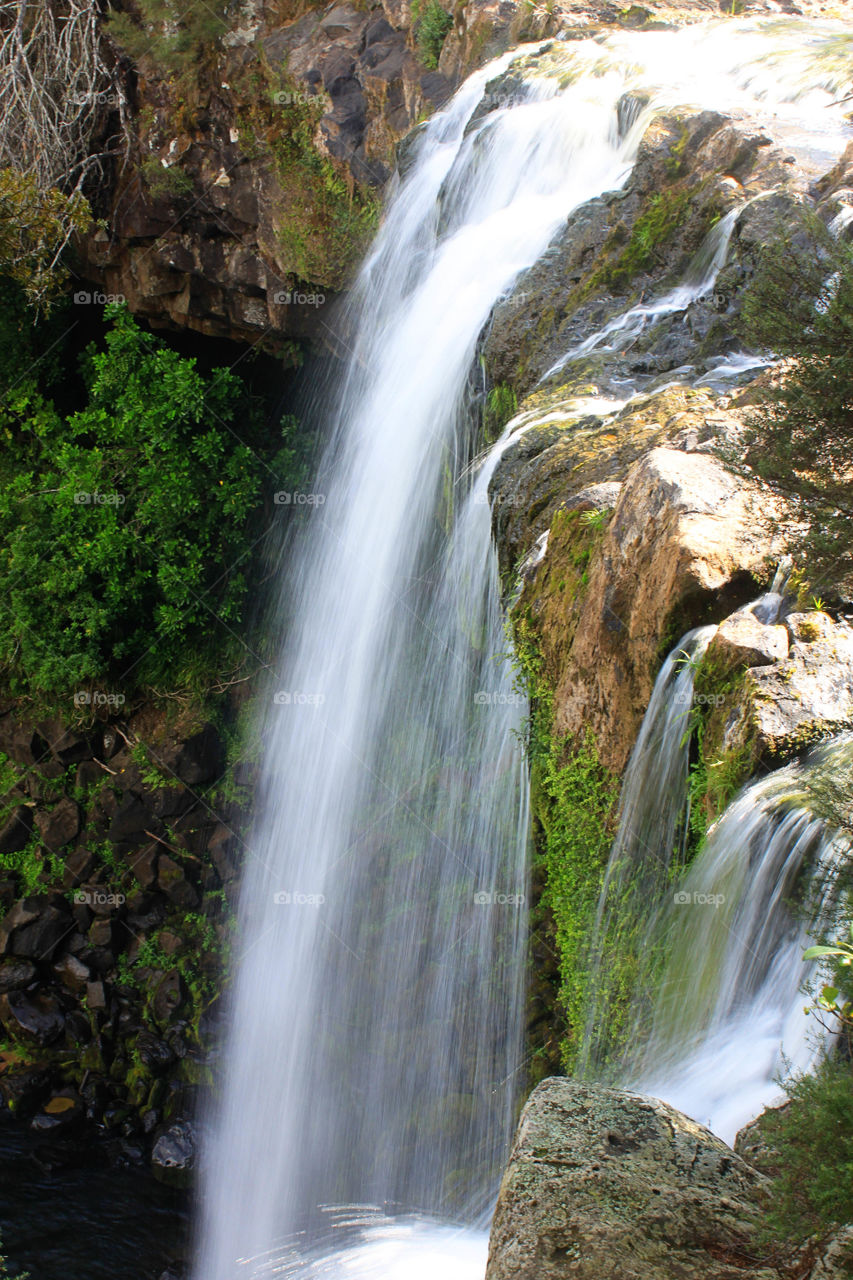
(649,840)
(373,1047)
(730,1017)
(375,1029)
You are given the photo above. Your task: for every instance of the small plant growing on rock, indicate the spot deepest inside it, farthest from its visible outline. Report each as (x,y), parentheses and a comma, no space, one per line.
(431,27)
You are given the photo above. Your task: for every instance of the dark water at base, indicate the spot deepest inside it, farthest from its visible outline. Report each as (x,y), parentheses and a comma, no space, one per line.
(86,1221)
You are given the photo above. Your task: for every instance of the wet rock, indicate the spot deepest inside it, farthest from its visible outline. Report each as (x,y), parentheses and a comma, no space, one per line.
(200,759)
(169,997)
(24,912)
(38,939)
(96,996)
(68,746)
(38,1017)
(605,1183)
(16,830)
(79,865)
(144,865)
(154,1053)
(133,823)
(72,973)
(222,848)
(173,882)
(60,826)
(16,974)
(173,1155)
(23,1090)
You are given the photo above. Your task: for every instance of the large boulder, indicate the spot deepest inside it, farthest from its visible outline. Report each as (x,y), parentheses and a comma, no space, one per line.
(607,1185)
(804,698)
(683,543)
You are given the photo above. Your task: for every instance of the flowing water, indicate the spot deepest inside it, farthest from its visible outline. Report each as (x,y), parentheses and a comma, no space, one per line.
(730,1017)
(374,1040)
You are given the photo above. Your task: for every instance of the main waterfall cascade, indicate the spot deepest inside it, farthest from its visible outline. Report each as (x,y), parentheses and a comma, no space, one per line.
(374,1040)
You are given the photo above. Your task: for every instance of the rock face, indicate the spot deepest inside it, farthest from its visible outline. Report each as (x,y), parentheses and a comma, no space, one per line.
(113,917)
(605,1185)
(684,535)
(802,697)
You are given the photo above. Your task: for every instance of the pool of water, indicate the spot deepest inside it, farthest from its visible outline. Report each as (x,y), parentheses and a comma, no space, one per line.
(77,1213)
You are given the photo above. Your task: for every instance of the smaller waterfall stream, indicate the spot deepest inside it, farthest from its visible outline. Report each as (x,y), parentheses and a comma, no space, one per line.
(718,1014)
(730,1017)
(650,835)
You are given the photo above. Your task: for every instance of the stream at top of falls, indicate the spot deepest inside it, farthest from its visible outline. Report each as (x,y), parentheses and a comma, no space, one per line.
(373,1057)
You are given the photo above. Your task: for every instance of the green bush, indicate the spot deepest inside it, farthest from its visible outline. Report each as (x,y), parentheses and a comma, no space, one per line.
(127,537)
(175,36)
(800,306)
(812,1152)
(35,226)
(431,27)
(576,808)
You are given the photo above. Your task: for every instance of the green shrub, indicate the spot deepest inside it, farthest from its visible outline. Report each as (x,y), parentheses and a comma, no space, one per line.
(576,809)
(128,528)
(175,35)
(431,27)
(501,405)
(35,226)
(166,181)
(800,306)
(812,1145)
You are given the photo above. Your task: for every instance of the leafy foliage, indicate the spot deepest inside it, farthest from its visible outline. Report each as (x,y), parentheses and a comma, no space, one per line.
(175,36)
(812,1144)
(35,226)
(126,540)
(431,27)
(580,798)
(800,306)
(501,405)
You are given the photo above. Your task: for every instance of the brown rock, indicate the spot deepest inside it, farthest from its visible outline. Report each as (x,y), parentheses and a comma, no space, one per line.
(60,826)
(743,641)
